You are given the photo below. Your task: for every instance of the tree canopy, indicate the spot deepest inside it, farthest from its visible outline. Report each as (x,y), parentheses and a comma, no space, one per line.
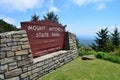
(105,42)
(101,40)
(5,27)
(115,38)
(51,16)
(35,18)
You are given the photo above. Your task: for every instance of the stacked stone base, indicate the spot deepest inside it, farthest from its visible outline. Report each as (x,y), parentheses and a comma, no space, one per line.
(17,63)
(40,66)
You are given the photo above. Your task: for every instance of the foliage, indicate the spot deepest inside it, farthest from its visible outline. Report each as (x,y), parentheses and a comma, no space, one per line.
(115,38)
(108,46)
(35,18)
(85,51)
(51,16)
(81,53)
(5,27)
(105,43)
(101,40)
(117,52)
(102,55)
(109,57)
(86,70)
(112,58)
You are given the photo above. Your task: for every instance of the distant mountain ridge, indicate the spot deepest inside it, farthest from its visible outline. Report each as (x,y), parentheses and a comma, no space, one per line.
(85,41)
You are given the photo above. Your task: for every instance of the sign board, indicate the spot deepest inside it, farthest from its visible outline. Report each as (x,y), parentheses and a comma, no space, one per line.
(44,36)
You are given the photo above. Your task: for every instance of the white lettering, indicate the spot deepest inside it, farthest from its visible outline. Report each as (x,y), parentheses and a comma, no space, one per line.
(55,34)
(55,29)
(29,27)
(42,35)
(36,28)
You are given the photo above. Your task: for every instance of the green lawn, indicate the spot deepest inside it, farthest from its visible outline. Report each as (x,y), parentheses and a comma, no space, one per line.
(86,70)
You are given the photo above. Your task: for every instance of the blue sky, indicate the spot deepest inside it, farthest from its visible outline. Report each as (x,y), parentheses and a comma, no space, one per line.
(82,17)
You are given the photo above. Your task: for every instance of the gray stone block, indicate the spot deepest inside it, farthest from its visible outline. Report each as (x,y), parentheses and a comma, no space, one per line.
(24,75)
(1,77)
(16,48)
(12,65)
(22,52)
(7,60)
(14,78)
(10,54)
(13,73)
(2,55)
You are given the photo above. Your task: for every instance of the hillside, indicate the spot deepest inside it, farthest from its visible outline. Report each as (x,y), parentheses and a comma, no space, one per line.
(5,27)
(85,41)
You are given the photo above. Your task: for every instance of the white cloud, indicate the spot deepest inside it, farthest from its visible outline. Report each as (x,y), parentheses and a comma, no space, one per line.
(81,2)
(49,4)
(20,5)
(8,19)
(54,9)
(99,4)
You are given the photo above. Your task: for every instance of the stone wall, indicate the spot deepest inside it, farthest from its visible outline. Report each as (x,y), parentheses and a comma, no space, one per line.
(69,41)
(17,63)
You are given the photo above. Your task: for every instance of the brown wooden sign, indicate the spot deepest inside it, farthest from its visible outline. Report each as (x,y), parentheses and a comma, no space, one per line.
(44,36)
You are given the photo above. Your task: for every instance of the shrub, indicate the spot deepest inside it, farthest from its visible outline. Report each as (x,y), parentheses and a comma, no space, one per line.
(114,58)
(85,52)
(81,52)
(100,55)
(92,52)
(106,56)
(117,52)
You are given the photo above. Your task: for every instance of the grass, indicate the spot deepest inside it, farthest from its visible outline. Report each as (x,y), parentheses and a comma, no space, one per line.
(101,55)
(86,70)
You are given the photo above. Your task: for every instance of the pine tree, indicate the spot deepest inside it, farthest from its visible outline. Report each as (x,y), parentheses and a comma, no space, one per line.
(115,38)
(101,40)
(35,18)
(51,16)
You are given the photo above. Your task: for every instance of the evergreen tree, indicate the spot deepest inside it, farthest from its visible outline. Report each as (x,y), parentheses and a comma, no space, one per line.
(101,42)
(108,46)
(115,38)
(35,18)
(51,16)
(5,27)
